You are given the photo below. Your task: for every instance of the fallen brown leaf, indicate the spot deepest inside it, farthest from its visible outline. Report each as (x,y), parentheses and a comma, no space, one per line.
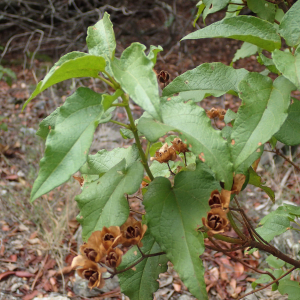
(5,274)
(24,274)
(31,296)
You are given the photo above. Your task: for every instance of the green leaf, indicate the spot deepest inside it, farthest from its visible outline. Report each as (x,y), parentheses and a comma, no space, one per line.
(229,116)
(155,147)
(102,202)
(153,53)
(72,65)
(261,280)
(200,6)
(209,79)
(289,132)
(109,99)
(261,114)
(134,72)
(245,28)
(268,62)
(104,160)
(158,169)
(264,10)
(186,202)
(213,6)
(9,72)
(47,124)
(290,24)
(292,288)
(244,166)
(141,283)
(246,50)
(288,65)
(275,262)
(255,180)
(101,38)
(275,223)
(273,141)
(193,125)
(126,133)
(233,9)
(68,144)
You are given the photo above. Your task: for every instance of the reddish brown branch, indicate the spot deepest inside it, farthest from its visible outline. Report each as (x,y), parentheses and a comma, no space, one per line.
(262,288)
(276,151)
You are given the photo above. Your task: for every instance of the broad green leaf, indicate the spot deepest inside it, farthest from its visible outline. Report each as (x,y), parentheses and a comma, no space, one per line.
(193,125)
(101,38)
(226,133)
(72,65)
(198,95)
(102,202)
(275,262)
(261,114)
(141,283)
(255,180)
(153,53)
(158,169)
(109,99)
(212,6)
(288,65)
(68,144)
(264,10)
(290,24)
(245,28)
(292,288)
(268,62)
(209,78)
(246,50)
(134,72)
(47,124)
(187,203)
(244,166)
(289,132)
(104,160)
(276,222)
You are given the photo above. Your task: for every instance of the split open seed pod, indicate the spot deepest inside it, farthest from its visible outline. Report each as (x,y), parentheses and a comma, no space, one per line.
(89,270)
(216,221)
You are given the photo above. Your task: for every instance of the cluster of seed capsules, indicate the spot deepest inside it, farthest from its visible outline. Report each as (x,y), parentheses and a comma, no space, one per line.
(102,250)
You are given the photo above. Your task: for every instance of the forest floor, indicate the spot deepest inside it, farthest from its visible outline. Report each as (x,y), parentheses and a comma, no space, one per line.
(38,241)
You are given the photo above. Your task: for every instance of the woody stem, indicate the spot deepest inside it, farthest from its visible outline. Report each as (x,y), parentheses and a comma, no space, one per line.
(134,264)
(276,151)
(270,283)
(136,136)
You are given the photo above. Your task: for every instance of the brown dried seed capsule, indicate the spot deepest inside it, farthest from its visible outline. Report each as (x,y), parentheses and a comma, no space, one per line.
(163,76)
(216,221)
(89,270)
(132,233)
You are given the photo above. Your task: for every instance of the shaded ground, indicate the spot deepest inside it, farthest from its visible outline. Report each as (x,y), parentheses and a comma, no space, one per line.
(38,242)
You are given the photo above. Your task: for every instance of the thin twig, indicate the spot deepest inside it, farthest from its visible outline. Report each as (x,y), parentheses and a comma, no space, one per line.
(134,264)
(283,156)
(219,249)
(39,272)
(262,288)
(170,169)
